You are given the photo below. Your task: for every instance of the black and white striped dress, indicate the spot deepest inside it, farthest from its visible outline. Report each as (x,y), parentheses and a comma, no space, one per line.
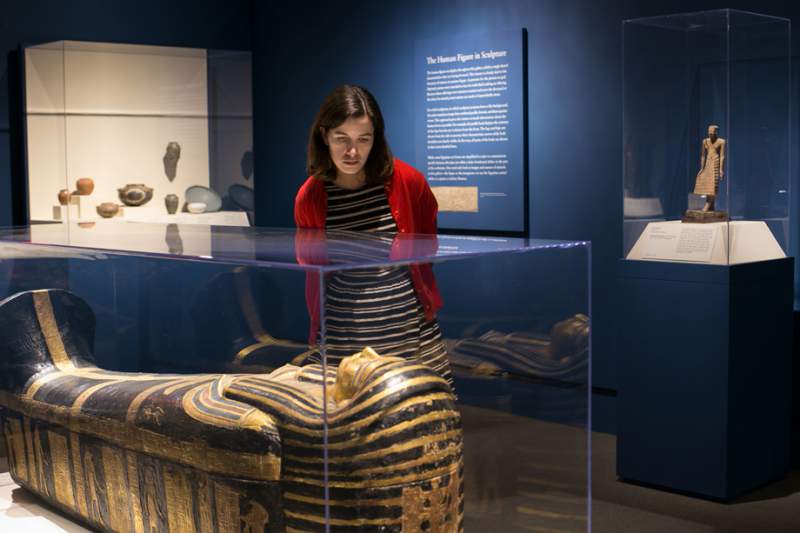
(374,306)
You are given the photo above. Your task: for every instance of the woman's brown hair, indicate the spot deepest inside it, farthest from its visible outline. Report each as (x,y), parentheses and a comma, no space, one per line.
(344,102)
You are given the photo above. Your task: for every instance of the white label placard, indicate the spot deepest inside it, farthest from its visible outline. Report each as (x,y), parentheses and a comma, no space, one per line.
(681,242)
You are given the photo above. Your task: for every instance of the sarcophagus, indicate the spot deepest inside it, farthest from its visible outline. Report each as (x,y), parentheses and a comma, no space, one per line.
(377,440)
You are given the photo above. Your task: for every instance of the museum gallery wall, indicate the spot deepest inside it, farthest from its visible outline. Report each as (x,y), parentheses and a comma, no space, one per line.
(575,83)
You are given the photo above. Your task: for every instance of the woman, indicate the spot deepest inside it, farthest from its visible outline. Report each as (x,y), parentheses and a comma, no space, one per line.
(356,186)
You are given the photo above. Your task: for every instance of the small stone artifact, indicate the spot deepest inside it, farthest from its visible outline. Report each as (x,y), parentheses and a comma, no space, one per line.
(107,209)
(64,196)
(171,157)
(171,201)
(712,171)
(85,186)
(196,207)
(135,194)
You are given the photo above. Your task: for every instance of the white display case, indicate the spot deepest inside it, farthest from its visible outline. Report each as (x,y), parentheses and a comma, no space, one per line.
(177,120)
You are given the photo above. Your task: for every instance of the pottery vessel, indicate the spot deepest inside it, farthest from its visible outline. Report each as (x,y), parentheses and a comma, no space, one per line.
(64,196)
(85,186)
(135,194)
(196,207)
(171,202)
(107,209)
(170,159)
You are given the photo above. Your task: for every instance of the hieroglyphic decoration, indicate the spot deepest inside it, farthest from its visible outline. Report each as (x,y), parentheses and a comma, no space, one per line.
(134,492)
(151,494)
(116,489)
(430,506)
(42,461)
(62,476)
(16,448)
(261,465)
(32,466)
(203,512)
(95,488)
(227,508)
(165,387)
(180,502)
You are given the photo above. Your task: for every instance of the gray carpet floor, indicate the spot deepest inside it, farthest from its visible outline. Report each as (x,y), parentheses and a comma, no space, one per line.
(621,507)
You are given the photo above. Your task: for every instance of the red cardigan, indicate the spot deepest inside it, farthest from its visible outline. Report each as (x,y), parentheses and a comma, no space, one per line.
(414,209)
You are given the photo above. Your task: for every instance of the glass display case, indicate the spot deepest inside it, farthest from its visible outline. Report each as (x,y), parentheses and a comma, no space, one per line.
(202,378)
(136,133)
(706,138)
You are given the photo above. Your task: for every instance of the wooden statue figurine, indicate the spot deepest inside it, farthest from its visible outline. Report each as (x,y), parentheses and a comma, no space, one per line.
(712,171)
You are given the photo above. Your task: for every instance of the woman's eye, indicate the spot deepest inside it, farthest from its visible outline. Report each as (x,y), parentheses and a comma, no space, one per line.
(364,141)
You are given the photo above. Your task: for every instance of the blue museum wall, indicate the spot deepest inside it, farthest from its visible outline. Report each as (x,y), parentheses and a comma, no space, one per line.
(194,23)
(302,51)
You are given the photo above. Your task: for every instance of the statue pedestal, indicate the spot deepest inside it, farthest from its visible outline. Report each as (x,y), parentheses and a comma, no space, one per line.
(704,375)
(702,217)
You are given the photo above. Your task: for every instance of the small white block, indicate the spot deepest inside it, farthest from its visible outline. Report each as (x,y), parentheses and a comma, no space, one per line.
(87,207)
(65,212)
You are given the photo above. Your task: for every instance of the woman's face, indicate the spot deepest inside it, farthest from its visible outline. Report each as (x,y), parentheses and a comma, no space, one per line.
(350,143)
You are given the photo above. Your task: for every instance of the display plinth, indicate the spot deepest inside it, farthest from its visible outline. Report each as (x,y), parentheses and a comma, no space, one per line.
(704,395)
(716,243)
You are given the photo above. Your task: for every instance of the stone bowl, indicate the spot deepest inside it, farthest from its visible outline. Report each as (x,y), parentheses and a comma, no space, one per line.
(196,207)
